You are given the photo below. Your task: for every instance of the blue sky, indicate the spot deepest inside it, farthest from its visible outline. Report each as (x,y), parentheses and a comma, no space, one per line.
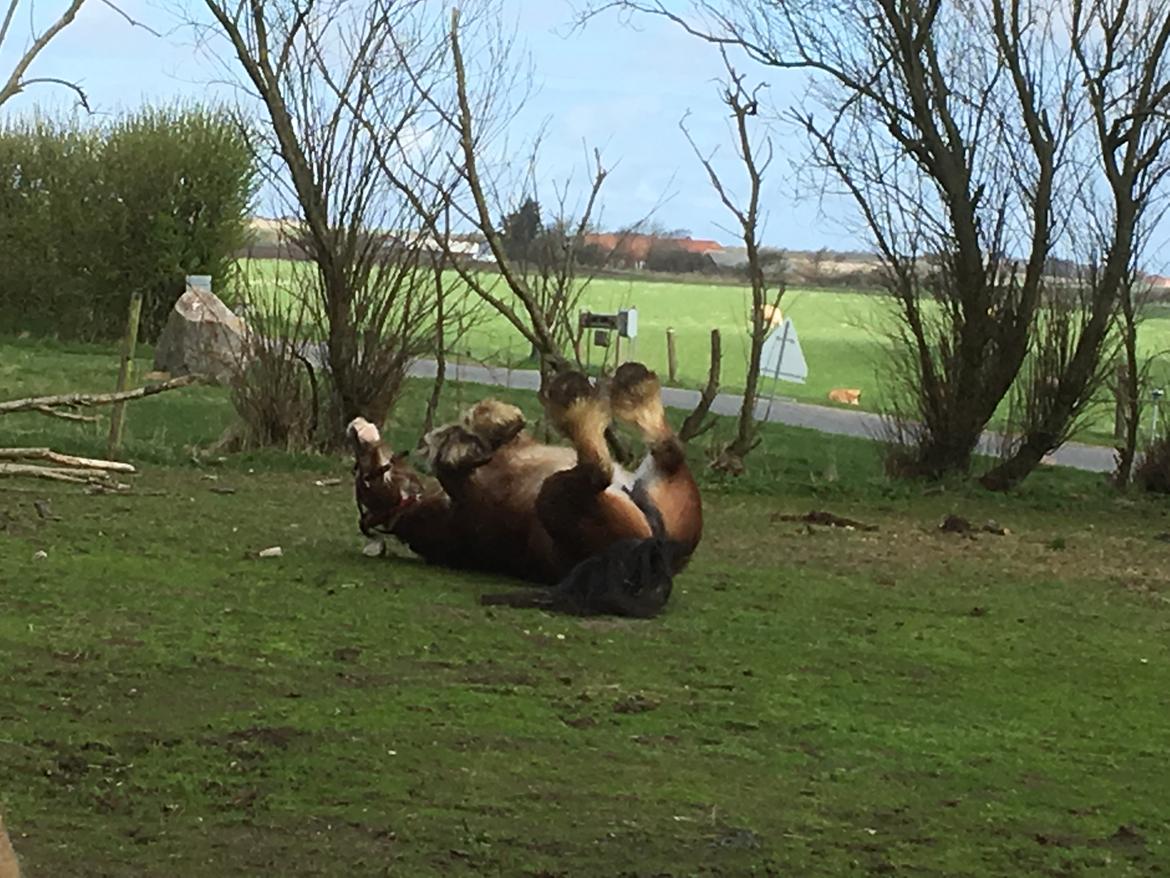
(608,86)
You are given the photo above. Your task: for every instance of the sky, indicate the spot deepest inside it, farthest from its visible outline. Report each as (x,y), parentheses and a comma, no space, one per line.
(608,85)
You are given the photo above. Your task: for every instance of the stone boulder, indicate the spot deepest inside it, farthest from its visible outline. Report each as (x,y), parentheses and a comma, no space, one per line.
(202,336)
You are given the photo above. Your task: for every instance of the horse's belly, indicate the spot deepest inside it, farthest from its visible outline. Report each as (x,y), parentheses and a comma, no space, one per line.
(500,515)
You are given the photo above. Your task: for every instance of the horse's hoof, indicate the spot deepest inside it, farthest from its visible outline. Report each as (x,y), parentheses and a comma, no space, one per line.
(568,388)
(575,407)
(453,448)
(497,423)
(635,395)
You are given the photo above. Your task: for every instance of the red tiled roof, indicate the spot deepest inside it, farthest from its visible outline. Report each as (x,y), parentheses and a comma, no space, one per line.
(696,245)
(637,247)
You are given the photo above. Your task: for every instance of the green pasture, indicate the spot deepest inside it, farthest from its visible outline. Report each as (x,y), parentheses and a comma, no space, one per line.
(814,702)
(842,335)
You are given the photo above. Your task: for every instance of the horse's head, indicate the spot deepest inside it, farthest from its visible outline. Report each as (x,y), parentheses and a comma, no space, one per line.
(385,485)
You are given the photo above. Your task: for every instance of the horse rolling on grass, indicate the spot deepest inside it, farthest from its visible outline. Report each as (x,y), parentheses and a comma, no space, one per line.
(608,540)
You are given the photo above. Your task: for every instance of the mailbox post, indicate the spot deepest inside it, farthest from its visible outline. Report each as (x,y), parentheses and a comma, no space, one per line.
(624,323)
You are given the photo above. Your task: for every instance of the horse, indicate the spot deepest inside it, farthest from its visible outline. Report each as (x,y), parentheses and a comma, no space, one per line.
(608,540)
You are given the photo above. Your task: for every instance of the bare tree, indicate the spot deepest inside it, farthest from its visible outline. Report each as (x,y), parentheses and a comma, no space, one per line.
(317,70)
(537,296)
(902,116)
(1132,378)
(536,289)
(744,105)
(519,302)
(962,133)
(1122,58)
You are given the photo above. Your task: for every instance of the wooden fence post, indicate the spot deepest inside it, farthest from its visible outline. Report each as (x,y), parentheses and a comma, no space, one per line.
(125,373)
(671,356)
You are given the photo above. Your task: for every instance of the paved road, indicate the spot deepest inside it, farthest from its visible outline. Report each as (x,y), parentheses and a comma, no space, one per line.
(866,425)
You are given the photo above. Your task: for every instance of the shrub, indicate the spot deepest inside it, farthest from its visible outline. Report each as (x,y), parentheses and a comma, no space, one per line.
(275,391)
(1153,470)
(89,213)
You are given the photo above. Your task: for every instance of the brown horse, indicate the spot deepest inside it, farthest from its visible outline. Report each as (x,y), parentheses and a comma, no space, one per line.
(9,867)
(610,540)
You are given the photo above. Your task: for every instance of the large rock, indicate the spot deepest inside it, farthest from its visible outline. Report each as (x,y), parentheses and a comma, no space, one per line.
(202,336)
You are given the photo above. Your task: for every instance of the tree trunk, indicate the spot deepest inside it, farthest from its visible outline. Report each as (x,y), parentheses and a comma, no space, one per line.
(1019,466)
(1128,411)
(946,453)
(1078,377)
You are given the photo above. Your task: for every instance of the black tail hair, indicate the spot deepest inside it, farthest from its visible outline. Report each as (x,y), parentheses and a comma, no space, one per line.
(630,578)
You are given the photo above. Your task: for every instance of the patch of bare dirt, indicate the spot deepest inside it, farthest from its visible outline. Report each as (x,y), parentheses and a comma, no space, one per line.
(827,519)
(635,703)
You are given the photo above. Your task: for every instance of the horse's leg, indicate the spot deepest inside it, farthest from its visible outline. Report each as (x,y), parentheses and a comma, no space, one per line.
(664,477)
(608,556)
(455,451)
(573,505)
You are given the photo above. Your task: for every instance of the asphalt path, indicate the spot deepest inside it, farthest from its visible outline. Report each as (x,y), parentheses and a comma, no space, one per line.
(824,419)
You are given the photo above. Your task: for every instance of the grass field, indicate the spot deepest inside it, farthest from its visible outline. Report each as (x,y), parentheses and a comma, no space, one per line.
(842,336)
(815,702)
(837,331)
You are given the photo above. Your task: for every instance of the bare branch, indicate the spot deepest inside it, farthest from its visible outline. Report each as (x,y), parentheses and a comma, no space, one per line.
(66,460)
(16,80)
(697,422)
(744,105)
(87,400)
(133,22)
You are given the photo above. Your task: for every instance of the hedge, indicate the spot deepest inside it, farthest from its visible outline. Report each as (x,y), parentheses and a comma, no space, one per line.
(90,212)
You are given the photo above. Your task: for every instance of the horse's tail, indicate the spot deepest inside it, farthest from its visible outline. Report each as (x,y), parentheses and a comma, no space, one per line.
(630,578)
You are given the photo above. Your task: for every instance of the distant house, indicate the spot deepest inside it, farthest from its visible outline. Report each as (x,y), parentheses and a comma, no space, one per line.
(631,250)
(695,245)
(730,257)
(464,246)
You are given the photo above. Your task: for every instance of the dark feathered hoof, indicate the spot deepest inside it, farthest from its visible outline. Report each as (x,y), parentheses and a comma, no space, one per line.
(634,392)
(569,387)
(575,408)
(454,448)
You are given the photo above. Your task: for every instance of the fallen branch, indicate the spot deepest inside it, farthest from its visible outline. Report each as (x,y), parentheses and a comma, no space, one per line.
(76,477)
(66,460)
(66,416)
(85,400)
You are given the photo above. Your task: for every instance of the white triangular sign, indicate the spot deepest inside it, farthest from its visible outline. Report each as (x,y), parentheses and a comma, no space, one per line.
(781,357)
